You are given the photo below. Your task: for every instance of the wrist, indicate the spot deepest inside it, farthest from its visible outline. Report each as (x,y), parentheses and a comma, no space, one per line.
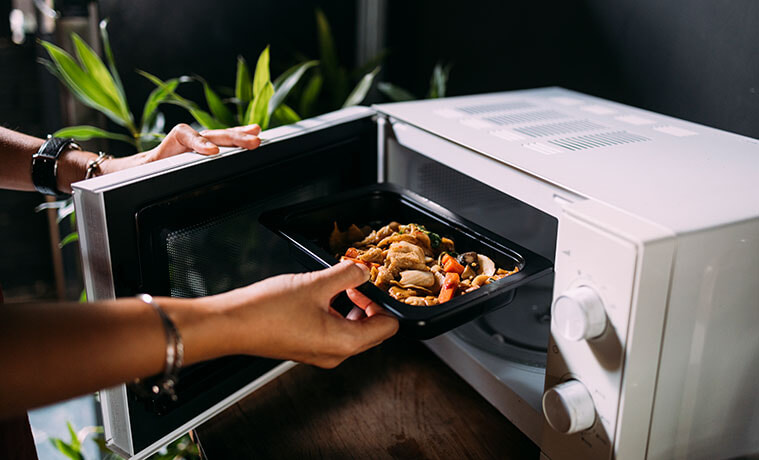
(204,327)
(72,167)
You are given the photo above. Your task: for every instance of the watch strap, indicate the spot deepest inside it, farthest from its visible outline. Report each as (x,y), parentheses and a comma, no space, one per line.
(45,164)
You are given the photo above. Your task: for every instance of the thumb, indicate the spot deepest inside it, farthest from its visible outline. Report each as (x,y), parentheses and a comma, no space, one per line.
(373,330)
(340,277)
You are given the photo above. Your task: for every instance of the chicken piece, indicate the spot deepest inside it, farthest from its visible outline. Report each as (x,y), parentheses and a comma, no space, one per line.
(418,238)
(418,301)
(383,278)
(404,256)
(373,255)
(396,237)
(376,236)
(424,241)
(431,301)
(401,294)
(415,301)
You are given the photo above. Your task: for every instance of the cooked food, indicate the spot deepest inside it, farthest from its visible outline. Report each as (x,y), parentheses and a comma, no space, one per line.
(414,265)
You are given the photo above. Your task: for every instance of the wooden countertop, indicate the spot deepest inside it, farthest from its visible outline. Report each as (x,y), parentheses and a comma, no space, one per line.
(395,401)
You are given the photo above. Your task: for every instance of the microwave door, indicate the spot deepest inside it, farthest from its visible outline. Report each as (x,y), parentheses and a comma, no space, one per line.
(188,227)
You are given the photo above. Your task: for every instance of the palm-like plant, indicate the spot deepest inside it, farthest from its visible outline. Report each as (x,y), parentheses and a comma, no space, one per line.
(100,88)
(438,86)
(257,99)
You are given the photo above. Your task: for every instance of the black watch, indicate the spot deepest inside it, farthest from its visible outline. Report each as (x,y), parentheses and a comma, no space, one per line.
(45,164)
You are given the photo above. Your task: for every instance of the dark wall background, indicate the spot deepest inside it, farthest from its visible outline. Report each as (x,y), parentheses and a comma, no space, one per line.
(693,59)
(169,39)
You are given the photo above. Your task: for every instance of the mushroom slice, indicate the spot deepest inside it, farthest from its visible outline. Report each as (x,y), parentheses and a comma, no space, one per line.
(468,258)
(410,287)
(480,280)
(417,277)
(468,273)
(487,266)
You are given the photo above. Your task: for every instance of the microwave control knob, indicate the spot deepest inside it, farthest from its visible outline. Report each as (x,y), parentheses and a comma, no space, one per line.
(569,408)
(578,314)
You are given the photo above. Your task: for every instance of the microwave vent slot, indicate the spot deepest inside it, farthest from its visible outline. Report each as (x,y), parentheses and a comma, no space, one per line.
(489,108)
(591,141)
(552,129)
(525,117)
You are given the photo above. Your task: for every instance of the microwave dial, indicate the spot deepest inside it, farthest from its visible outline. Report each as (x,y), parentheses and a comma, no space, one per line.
(568,407)
(578,314)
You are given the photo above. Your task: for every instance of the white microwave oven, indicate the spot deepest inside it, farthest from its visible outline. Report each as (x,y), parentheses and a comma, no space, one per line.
(643,343)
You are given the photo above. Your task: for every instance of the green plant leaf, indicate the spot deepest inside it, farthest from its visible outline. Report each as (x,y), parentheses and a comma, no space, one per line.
(83,296)
(217,107)
(206,119)
(66,449)
(201,116)
(310,95)
(285,115)
(85,133)
(81,85)
(262,75)
(70,238)
(260,112)
(327,50)
(362,88)
(335,76)
(243,85)
(109,57)
(394,93)
(112,456)
(369,65)
(439,81)
(158,95)
(50,68)
(286,82)
(75,444)
(97,71)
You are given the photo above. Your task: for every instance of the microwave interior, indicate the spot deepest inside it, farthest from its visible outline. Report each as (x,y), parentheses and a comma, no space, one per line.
(197,232)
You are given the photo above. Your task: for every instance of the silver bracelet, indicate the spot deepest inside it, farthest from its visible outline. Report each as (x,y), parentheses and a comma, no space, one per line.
(174,352)
(94,165)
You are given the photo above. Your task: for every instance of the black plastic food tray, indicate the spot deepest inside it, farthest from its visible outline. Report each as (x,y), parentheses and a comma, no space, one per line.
(307,227)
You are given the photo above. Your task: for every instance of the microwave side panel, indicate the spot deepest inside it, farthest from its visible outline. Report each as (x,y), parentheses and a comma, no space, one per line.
(107,206)
(706,404)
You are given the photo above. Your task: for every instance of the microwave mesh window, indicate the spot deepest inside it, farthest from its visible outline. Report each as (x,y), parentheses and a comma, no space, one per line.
(232,250)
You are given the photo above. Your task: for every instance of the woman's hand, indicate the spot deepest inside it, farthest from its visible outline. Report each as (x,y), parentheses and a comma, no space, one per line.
(289,317)
(182,138)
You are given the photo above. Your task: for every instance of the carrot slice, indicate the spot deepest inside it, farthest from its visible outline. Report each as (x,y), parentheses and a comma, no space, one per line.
(448,289)
(359,261)
(352,253)
(451,265)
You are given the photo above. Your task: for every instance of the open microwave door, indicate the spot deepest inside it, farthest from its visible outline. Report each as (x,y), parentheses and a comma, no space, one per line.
(188,226)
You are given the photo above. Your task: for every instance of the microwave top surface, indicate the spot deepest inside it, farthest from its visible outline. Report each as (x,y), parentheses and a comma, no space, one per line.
(678,174)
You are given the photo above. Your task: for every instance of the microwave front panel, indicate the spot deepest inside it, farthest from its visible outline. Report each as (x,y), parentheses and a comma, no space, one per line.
(193,230)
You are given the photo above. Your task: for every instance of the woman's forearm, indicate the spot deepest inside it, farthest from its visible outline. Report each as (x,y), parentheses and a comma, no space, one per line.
(52,352)
(17,150)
